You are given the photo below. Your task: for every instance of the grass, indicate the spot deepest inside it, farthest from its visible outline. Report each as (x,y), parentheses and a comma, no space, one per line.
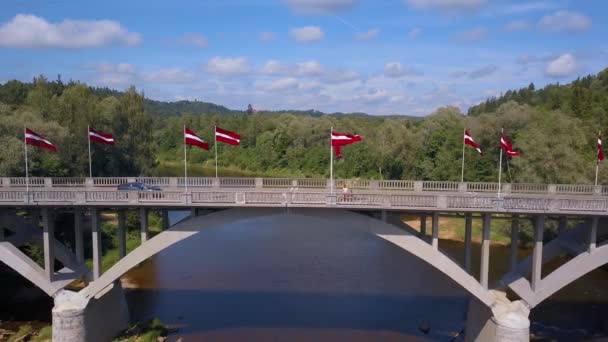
(149,331)
(28,333)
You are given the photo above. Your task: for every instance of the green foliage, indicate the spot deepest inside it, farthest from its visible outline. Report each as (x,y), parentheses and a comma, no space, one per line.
(149,331)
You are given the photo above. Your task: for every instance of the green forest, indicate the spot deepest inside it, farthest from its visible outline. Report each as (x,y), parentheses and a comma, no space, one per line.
(554,127)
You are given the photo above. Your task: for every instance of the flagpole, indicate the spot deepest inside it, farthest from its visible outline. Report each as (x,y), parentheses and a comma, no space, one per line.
(597,160)
(462,173)
(90,163)
(331,163)
(27,177)
(215,135)
(185,164)
(500,164)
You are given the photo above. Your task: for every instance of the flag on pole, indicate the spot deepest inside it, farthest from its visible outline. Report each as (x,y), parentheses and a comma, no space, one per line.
(600,153)
(100,137)
(227,137)
(340,139)
(468,140)
(505,145)
(190,138)
(35,139)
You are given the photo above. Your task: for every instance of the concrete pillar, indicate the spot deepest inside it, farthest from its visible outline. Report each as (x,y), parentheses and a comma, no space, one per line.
(78,243)
(122,234)
(468,226)
(423,225)
(1,233)
(435,228)
(507,321)
(193,212)
(96,238)
(165,219)
(593,234)
(485,251)
(383,215)
(563,224)
(514,241)
(48,242)
(143,220)
(537,253)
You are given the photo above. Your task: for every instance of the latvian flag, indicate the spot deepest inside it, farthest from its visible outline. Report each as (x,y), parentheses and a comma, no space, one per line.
(468,140)
(600,153)
(340,139)
(190,138)
(35,139)
(227,137)
(99,137)
(506,146)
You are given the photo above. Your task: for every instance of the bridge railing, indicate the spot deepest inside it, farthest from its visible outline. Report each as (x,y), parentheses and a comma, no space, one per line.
(302,184)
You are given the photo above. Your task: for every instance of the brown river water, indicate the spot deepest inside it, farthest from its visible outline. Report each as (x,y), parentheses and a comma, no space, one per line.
(279,280)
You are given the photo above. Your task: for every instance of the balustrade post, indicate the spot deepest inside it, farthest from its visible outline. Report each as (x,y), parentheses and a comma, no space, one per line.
(537,253)
(96,239)
(78,243)
(173,183)
(131,179)
(423,225)
(514,241)
(259,183)
(48,182)
(48,237)
(506,188)
(418,186)
(593,234)
(143,221)
(442,202)
(435,230)
(373,185)
(215,183)
(597,190)
(462,187)
(122,234)
(6,182)
(468,226)
(552,189)
(485,251)
(89,183)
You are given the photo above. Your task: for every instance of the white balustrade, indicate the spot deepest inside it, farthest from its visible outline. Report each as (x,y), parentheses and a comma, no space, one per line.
(396,185)
(54,196)
(159,196)
(107,196)
(265,197)
(109,181)
(529,188)
(471,202)
(68,182)
(213,197)
(157,181)
(12,196)
(236,182)
(580,189)
(439,186)
(311,183)
(21,181)
(414,201)
(196,182)
(273,183)
(481,187)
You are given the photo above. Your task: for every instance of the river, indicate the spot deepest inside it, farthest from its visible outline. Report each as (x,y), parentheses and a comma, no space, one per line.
(278,280)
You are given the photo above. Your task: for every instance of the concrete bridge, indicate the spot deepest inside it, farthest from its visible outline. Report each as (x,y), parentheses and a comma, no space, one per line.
(492,316)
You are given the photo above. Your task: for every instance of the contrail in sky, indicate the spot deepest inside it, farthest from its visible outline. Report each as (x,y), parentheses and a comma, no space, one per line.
(347,23)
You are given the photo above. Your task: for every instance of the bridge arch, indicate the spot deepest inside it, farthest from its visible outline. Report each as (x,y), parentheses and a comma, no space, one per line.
(401,238)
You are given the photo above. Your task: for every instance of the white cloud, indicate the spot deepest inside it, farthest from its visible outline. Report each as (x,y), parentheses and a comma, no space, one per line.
(227,66)
(483,71)
(309,68)
(193,39)
(449,5)
(373,95)
(273,67)
(565,21)
(530,6)
(321,6)
(414,33)
(307,34)
(118,75)
(396,70)
(473,35)
(564,65)
(170,75)
(517,25)
(368,35)
(283,84)
(341,76)
(30,31)
(267,36)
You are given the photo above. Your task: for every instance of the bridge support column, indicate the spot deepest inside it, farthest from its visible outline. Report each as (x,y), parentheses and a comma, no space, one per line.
(122,234)
(78,243)
(485,251)
(537,253)
(143,220)
(76,319)
(563,224)
(165,219)
(592,234)
(507,321)
(423,225)
(48,238)
(435,228)
(514,241)
(193,212)
(468,225)
(96,239)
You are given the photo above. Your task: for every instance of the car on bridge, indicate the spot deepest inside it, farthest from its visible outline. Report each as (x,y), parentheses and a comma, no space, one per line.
(138,186)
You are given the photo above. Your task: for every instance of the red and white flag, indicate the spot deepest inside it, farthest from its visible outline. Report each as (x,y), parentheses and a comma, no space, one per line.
(190,138)
(506,146)
(340,139)
(468,140)
(600,153)
(100,137)
(35,139)
(227,137)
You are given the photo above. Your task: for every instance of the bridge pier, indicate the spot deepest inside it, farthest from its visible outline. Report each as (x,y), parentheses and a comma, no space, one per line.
(435,229)
(506,321)
(514,241)
(48,239)
(165,219)
(485,251)
(96,242)
(468,226)
(143,220)
(537,253)
(423,225)
(592,239)
(76,319)
(78,243)
(122,235)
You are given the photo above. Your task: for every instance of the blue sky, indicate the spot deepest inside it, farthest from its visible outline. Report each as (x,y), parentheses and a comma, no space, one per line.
(380,57)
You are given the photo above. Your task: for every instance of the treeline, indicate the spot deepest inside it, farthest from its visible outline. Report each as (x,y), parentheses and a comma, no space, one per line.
(558,142)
